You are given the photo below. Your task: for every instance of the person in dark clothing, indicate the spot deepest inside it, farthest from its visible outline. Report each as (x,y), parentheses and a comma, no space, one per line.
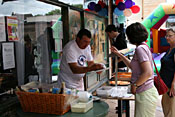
(118,39)
(167,73)
(45,46)
(29,58)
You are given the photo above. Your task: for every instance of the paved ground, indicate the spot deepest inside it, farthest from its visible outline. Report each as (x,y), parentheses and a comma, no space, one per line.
(112,112)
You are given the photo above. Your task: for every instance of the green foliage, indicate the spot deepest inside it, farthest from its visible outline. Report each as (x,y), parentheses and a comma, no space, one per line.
(78,6)
(39,15)
(54,12)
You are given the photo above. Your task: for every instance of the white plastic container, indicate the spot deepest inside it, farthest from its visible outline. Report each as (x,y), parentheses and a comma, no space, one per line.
(84,96)
(81,107)
(119,91)
(104,91)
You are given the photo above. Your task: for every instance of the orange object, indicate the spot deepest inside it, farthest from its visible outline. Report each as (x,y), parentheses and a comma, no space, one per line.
(124,74)
(155,40)
(47,103)
(119,82)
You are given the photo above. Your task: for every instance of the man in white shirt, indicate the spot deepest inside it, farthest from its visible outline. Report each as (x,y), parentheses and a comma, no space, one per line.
(76,61)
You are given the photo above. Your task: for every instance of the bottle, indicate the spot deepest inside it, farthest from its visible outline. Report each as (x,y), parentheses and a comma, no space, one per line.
(73,91)
(62,90)
(40,89)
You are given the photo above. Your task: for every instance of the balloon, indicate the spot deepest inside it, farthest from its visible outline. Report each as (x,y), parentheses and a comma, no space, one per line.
(128,3)
(135,9)
(127,12)
(117,1)
(121,6)
(103,12)
(118,12)
(97,7)
(121,19)
(91,5)
(133,3)
(87,9)
(102,4)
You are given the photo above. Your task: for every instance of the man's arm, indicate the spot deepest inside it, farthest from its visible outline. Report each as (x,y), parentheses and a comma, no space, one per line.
(90,63)
(80,69)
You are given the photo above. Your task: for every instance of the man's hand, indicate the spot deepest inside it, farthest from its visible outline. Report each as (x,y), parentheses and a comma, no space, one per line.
(91,67)
(96,66)
(99,72)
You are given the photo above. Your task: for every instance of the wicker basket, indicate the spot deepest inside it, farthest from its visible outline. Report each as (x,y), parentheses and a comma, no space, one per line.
(43,102)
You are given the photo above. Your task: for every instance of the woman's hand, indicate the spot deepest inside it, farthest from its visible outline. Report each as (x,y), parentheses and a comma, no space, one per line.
(172,90)
(114,50)
(133,89)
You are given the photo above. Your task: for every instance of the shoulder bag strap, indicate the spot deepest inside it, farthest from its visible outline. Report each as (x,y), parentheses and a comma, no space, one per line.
(174,57)
(153,61)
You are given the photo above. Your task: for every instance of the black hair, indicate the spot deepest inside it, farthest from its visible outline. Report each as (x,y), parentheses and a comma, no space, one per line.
(84,32)
(136,33)
(27,38)
(111,28)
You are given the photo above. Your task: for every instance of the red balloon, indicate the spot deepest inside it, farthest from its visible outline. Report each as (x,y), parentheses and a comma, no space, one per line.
(87,9)
(135,9)
(117,1)
(102,4)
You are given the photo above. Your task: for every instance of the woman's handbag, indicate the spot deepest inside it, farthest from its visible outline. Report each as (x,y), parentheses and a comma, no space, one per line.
(158,82)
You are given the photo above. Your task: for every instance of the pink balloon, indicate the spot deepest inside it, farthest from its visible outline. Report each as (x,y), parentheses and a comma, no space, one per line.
(135,9)
(127,12)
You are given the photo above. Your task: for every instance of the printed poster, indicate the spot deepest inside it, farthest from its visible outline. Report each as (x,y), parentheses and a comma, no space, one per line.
(2,29)
(8,55)
(12,28)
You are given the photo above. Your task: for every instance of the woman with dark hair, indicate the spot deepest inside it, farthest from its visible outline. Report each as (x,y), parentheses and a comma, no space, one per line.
(142,78)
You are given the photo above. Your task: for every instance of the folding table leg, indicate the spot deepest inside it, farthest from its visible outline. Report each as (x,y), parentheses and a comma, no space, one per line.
(119,108)
(127,109)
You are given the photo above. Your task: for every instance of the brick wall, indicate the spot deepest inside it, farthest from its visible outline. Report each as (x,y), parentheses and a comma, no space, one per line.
(146,8)
(150,5)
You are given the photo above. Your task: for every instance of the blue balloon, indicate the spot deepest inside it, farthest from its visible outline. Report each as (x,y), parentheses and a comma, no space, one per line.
(91,5)
(128,4)
(121,6)
(133,3)
(118,12)
(97,7)
(103,12)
